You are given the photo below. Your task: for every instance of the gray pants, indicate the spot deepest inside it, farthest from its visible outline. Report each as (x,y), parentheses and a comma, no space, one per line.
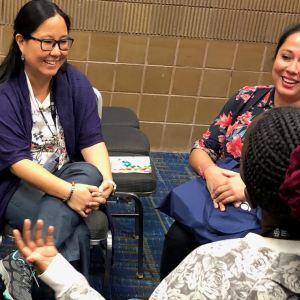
(71,232)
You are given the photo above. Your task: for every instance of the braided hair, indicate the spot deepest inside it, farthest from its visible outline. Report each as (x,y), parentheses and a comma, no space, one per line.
(266,159)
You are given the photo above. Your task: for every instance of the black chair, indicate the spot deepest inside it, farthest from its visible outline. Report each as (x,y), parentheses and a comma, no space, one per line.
(123,137)
(101,237)
(131,187)
(120,116)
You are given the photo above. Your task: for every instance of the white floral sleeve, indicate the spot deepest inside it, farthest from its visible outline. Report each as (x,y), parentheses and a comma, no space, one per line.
(233,269)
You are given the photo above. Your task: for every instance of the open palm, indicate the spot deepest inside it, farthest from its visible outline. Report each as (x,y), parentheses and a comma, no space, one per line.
(38,251)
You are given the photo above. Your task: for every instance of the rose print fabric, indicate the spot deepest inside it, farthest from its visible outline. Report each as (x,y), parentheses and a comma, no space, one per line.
(248,268)
(224,138)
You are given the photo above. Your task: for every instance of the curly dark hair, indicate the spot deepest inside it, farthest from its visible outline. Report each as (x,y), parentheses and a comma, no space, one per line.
(268,146)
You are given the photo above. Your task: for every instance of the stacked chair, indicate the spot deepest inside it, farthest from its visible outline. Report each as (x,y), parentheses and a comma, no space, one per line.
(123,137)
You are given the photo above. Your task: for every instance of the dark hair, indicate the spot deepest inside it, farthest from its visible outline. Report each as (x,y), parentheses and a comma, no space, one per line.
(28,19)
(288,31)
(266,155)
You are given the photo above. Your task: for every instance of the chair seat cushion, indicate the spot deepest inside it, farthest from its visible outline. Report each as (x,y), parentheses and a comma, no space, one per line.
(125,139)
(120,116)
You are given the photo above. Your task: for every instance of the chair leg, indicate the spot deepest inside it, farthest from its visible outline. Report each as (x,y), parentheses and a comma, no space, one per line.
(138,227)
(136,220)
(108,264)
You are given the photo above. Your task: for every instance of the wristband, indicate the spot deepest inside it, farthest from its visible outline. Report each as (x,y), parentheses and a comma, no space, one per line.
(71,192)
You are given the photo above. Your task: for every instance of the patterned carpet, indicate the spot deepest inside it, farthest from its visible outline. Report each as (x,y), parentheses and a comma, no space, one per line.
(171,169)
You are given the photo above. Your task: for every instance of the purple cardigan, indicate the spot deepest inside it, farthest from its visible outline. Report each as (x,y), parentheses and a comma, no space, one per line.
(78,115)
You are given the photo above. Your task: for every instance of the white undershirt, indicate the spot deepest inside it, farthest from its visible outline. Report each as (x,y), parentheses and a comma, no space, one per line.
(46,139)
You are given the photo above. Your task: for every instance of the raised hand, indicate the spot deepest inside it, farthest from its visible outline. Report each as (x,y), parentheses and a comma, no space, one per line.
(38,251)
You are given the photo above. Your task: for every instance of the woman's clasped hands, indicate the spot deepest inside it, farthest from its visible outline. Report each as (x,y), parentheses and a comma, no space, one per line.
(225,187)
(87,198)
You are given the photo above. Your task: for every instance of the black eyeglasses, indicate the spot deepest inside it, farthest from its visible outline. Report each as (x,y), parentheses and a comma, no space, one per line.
(49,44)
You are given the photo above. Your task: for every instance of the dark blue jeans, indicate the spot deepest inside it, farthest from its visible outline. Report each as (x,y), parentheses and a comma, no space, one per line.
(71,232)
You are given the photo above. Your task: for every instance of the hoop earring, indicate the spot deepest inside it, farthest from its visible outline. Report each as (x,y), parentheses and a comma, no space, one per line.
(22,57)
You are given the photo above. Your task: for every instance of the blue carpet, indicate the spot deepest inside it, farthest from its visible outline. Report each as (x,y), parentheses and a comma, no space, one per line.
(172,169)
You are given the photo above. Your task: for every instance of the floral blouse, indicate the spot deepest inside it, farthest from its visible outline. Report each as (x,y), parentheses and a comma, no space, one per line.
(224,138)
(254,267)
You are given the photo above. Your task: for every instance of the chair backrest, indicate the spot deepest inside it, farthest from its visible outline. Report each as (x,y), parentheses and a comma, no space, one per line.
(99,101)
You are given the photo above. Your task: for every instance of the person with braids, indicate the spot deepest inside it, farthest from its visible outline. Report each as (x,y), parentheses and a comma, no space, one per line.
(265,266)
(54,163)
(213,206)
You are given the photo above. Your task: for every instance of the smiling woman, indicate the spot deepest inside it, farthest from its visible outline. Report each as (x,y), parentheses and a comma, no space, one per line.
(54,164)
(215,206)
(40,62)
(286,69)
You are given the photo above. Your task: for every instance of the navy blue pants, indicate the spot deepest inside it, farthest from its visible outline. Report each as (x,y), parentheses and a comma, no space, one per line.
(71,232)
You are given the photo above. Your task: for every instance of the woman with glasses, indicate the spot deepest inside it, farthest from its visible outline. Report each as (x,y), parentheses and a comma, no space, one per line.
(54,164)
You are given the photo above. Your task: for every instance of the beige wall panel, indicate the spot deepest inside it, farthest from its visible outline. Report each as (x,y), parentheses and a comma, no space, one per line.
(191,53)
(80,46)
(101,75)
(132,49)
(161,51)
(220,54)
(186,81)
(240,79)
(128,78)
(249,57)
(127,100)
(154,133)
(103,47)
(215,83)
(177,137)
(157,80)
(7,37)
(207,110)
(181,110)
(153,108)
